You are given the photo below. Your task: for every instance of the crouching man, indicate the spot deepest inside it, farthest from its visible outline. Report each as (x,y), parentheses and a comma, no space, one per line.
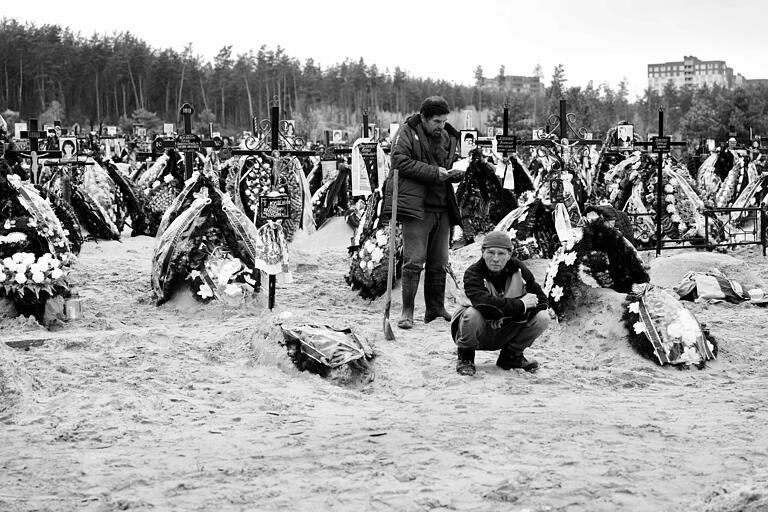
(506,309)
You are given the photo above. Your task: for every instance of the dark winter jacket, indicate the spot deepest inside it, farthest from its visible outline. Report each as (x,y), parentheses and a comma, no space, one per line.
(418,171)
(496,306)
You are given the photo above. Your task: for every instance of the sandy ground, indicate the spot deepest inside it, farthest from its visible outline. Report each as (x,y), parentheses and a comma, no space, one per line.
(189,407)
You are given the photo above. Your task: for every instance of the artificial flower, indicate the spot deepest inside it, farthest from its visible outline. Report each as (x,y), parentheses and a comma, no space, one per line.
(671,208)
(557,293)
(194,274)
(155,184)
(569,258)
(232,290)
(639,327)
(56,273)
(168,178)
(669,189)
(512,233)
(205,291)
(634,308)
(20,278)
(38,277)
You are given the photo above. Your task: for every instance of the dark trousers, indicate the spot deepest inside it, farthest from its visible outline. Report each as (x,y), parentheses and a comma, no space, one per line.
(425,243)
(475,332)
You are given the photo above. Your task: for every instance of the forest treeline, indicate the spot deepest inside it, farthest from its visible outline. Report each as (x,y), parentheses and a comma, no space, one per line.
(50,72)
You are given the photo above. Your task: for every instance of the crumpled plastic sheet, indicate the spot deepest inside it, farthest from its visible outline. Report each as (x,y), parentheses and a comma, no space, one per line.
(328,346)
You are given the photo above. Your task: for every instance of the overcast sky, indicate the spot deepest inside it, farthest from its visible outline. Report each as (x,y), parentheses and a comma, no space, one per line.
(598,40)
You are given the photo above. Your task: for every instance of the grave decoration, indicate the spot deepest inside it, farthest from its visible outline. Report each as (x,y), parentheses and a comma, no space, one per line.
(632,186)
(719,177)
(95,198)
(157,187)
(595,255)
(207,243)
(532,230)
(369,251)
(260,175)
(34,250)
(482,201)
(662,329)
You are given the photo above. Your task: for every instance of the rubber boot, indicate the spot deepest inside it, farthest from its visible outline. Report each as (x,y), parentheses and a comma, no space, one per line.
(410,284)
(434,296)
(465,364)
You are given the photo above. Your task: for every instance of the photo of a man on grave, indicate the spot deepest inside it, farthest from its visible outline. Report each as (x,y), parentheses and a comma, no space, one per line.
(468,138)
(625,134)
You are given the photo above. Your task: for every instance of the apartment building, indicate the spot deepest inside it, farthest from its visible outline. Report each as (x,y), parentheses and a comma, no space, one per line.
(690,72)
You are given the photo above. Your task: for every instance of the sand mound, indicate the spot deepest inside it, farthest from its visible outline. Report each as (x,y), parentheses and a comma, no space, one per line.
(745,499)
(668,271)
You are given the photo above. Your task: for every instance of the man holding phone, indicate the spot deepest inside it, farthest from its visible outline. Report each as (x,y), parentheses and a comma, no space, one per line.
(424,151)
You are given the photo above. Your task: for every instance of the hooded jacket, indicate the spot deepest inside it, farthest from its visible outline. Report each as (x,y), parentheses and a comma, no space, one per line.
(417,171)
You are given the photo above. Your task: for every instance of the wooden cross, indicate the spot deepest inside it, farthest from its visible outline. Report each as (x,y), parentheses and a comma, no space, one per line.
(34,135)
(660,144)
(563,148)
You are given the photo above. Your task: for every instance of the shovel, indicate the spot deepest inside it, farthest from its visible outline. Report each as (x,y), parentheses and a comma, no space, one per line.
(388,333)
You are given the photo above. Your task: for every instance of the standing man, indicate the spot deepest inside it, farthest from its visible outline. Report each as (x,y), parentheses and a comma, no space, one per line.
(507,311)
(423,151)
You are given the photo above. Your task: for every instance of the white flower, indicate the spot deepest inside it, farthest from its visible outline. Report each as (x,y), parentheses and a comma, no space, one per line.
(512,233)
(54,263)
(370,265)
(377,254)
(168,178)
(7,224)
(2,277)
(369,246)
(673,182)
(570,258)
(31,222)
(669,189)
(248,279)
(557,293)
(671,208)
(689,356)
(634,308)
(205,291)
(155,184)
(363,264)
(194,274)
(639,327)
(232,290)
(381,238)
(56,273)
(7,262)
(18,257)
(670,198)
(38,277)
(20,278)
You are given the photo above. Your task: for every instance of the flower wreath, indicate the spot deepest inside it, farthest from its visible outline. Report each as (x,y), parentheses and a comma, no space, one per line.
(662,329)
(598,255)
(369,263)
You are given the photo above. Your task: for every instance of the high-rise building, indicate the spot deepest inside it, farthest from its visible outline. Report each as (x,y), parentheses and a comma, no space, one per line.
(690,72)
(524,84)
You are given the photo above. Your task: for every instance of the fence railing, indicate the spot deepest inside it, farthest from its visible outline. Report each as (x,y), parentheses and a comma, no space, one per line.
(749,225)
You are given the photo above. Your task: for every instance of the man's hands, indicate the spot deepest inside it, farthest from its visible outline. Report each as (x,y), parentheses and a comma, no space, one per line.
(446,174)
(531,300)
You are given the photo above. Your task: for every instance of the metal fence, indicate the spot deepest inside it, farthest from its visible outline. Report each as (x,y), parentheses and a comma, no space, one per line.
(741,226)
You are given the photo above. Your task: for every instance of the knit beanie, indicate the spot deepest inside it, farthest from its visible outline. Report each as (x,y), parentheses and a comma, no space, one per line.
(497,239)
